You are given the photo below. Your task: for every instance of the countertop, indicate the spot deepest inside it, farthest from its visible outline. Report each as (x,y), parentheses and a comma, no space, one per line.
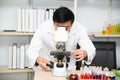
(47,75)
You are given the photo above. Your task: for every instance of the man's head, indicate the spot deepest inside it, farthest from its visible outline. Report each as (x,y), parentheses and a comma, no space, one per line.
(63,17)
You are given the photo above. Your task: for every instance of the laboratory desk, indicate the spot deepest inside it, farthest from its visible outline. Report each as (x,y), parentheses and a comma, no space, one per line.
(46,75)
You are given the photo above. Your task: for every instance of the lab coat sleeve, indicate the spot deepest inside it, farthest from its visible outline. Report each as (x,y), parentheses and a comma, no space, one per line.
(87,45)
(34,48)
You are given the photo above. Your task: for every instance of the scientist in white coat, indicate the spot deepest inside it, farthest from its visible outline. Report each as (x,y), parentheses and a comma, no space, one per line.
(43,41)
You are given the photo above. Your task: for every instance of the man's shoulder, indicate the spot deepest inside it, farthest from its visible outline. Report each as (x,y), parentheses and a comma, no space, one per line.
(48,22)
(46,25)
(77,24)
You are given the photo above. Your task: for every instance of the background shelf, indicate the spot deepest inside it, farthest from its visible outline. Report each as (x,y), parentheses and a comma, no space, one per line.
(4,69)
(98,34)
(16,33)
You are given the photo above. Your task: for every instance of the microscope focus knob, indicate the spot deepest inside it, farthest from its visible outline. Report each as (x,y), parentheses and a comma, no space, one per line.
(50,65)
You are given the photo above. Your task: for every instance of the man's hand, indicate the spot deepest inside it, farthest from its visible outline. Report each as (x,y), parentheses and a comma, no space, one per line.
(79,54)
(42,63)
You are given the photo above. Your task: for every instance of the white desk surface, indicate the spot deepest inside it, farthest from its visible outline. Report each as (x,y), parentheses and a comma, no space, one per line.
(47,75)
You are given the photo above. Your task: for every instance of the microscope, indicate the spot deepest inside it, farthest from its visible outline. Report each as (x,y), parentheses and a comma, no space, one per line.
(60,63)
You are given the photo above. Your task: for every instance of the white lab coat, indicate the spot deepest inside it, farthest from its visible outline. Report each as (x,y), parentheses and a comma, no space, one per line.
(43,43)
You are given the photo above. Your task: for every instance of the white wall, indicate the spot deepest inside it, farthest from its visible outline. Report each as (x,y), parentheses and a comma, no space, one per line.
(94,14)
(91,14)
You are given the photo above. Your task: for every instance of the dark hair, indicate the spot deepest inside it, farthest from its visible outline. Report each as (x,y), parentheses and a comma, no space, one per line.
(63,14)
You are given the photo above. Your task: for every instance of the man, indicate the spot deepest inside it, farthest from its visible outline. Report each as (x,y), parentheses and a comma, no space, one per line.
(43,42)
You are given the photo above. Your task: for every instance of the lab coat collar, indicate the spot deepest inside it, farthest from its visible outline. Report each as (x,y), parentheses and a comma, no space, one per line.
(51,30)
(72,31)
